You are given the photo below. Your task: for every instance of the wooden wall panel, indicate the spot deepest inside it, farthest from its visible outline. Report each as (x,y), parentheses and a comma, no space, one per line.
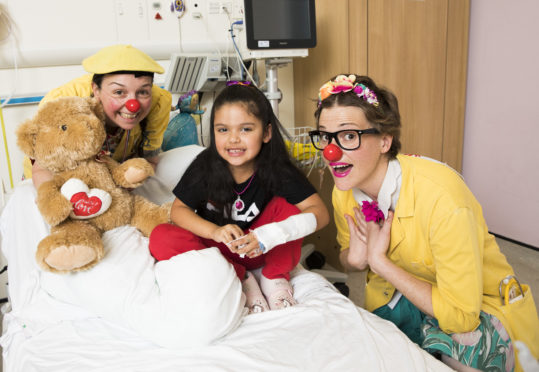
(330,56)
(358,28)
(455,88)
(407,54)
(418,49)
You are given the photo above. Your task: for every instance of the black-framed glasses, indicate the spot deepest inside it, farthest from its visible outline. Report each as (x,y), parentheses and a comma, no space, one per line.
(348,139)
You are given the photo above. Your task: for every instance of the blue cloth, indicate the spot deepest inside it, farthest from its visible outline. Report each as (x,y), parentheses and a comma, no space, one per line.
(487,348)
(181,131)
(406,317)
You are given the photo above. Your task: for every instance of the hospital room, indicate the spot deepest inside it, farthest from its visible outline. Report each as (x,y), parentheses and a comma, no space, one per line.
(254,185)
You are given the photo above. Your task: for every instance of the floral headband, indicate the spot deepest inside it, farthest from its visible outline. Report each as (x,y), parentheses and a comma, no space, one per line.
(238,82)
(342,84)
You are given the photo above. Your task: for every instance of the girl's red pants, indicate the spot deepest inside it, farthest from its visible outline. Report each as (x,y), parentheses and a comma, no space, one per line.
(168,240)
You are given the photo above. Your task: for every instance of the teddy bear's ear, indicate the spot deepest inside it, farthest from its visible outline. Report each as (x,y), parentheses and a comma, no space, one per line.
(26,136)
(97,108)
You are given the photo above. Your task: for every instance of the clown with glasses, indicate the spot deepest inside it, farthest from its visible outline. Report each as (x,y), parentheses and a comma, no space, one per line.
(433,269)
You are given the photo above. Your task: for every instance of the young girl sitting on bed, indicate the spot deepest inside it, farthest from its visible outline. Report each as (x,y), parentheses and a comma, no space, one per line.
(243,195)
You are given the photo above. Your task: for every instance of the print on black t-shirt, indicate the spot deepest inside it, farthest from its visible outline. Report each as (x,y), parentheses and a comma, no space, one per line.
(255,198)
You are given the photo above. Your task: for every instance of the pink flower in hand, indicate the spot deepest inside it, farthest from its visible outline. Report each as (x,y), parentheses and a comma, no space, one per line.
(371,211)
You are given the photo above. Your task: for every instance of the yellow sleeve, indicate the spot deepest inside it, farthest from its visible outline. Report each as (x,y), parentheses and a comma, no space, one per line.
(26,167)
(457,297)
(158,119)
(79,87)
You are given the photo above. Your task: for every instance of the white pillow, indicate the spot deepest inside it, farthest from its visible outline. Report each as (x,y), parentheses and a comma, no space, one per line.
(172,164)
(191,300)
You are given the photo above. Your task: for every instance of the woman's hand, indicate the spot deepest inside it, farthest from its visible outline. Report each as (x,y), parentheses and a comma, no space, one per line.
(227,233)
(40,175)
(378,238)
(357,255)
(417,291)
(247,245)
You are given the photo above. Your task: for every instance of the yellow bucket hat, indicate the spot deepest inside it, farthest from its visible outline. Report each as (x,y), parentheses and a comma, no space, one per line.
(120,58)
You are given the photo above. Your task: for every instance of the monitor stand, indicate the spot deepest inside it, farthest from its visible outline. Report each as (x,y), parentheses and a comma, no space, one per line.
(271,90)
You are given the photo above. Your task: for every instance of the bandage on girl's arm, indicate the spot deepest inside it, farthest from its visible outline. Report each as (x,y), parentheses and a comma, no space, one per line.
(293,228)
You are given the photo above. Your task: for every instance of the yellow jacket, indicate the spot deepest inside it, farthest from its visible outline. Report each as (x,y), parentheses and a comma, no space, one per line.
(157,119)
(438,235)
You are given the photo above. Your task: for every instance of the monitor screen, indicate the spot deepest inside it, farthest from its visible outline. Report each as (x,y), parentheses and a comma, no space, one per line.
(280,24)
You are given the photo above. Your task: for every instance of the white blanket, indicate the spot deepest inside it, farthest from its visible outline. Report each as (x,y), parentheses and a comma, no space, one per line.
(126,287)
(185,314)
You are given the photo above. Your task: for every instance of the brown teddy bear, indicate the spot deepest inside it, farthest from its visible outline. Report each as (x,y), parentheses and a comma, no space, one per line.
(87,195)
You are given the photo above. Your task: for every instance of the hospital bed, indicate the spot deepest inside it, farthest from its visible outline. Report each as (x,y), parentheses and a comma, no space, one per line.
(186,314)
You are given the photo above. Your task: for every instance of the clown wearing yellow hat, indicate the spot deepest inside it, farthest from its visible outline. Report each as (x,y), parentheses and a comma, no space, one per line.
(137,111)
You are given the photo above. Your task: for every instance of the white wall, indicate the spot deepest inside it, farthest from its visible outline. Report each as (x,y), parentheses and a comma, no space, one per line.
(501,134)
(63,32)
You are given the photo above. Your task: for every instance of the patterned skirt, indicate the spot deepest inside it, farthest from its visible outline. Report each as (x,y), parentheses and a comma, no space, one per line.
(487,348)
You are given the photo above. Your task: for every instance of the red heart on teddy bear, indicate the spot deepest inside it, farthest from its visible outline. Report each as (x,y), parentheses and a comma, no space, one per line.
(83,205)
(86,203)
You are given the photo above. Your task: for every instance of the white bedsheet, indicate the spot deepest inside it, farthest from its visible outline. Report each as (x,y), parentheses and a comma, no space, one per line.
(126,287)
(59,324)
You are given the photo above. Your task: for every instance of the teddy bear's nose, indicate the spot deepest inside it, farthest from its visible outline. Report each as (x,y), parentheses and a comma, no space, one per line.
(132,105)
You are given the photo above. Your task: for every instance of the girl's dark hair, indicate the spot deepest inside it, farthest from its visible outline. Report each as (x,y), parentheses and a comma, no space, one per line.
(273,163)
(97,79)
(385,117)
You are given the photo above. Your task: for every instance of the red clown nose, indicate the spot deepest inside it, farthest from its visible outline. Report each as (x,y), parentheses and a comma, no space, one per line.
(332,152)
(132,105)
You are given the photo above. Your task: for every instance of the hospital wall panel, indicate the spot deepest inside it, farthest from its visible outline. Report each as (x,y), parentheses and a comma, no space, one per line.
(417,49)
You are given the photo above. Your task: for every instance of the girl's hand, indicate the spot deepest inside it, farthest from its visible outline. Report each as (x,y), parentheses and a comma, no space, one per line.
(246,245)
(227,233)
(357,255)
(378,237)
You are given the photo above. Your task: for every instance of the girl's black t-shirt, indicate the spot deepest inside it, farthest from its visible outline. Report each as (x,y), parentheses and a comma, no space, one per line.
(294,190)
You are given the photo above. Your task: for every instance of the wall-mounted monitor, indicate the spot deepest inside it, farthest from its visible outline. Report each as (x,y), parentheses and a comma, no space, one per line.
(280,24)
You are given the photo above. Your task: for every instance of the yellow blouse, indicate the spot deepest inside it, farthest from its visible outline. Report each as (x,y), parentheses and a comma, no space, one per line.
(438,235)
